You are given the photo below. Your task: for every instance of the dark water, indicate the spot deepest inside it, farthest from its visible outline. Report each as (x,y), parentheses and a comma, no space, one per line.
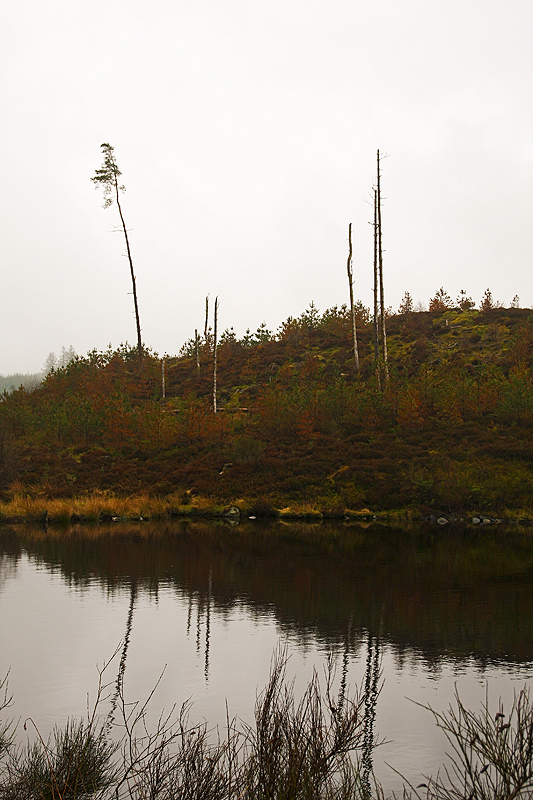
(434,609)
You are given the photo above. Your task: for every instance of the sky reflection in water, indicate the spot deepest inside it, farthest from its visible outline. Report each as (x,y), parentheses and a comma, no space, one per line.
(208,606)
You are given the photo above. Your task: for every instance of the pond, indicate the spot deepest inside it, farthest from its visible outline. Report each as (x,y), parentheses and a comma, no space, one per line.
(420,612)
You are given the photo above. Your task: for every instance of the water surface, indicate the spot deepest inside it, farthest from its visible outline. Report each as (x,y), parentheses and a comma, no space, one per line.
(206,605)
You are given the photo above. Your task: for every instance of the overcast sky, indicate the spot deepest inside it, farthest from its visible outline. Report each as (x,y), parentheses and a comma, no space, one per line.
(246,132)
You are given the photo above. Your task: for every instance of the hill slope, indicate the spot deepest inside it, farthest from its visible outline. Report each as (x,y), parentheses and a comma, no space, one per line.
(452,430)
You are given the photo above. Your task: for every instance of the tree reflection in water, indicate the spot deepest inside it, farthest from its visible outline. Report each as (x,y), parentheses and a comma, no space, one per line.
(447,599)
(119,685)
(371,684)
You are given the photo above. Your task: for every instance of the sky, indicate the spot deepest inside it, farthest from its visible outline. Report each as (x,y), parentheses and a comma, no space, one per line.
(246,132)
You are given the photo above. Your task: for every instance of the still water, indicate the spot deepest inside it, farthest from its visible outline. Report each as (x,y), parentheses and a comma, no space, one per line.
(204,607)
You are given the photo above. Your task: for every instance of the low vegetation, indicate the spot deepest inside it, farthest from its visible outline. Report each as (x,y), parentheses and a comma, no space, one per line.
(298,427)
(319,747)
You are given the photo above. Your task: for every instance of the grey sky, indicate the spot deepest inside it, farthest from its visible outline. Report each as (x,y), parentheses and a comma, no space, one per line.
(246,132)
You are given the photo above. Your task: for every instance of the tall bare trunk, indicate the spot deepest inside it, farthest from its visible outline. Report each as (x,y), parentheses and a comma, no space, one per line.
(215,356)
(376,295)
(352,310)
(197,353)
(206,322)
(380,270)
(135,303)
(163,386)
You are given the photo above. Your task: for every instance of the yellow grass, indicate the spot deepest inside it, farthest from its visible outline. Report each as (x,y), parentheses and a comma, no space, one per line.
(96,506)
(307,510)
(91,507)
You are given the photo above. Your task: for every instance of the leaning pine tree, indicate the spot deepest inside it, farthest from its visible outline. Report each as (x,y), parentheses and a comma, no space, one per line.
(107,177)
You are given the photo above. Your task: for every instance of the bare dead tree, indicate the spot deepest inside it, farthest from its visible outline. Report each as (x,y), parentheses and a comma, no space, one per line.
(376,295)
(352,310)
(197,353)
(206,321)
(215,356)
(380,269)
(107,177)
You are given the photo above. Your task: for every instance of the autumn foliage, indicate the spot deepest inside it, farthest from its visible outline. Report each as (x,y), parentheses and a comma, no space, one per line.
(452,430)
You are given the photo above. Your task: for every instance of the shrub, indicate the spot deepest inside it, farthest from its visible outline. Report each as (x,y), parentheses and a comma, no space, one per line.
(491,756)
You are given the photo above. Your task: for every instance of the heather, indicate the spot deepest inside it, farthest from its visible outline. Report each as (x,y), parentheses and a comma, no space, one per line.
(297,426)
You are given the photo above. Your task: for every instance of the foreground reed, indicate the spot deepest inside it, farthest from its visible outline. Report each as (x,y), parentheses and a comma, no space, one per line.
(310,750)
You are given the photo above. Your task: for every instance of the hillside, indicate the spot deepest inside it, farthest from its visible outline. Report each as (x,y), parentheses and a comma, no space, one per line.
(296,425)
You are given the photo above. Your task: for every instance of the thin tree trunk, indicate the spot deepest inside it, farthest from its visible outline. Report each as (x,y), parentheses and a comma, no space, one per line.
(197,351)
(163,387)
(352,310)
(380,269)
(206,321)
(135,303)
(376,296)
(215,357)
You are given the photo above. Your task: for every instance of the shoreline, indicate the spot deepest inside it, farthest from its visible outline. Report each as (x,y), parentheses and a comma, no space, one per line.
(96,508)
